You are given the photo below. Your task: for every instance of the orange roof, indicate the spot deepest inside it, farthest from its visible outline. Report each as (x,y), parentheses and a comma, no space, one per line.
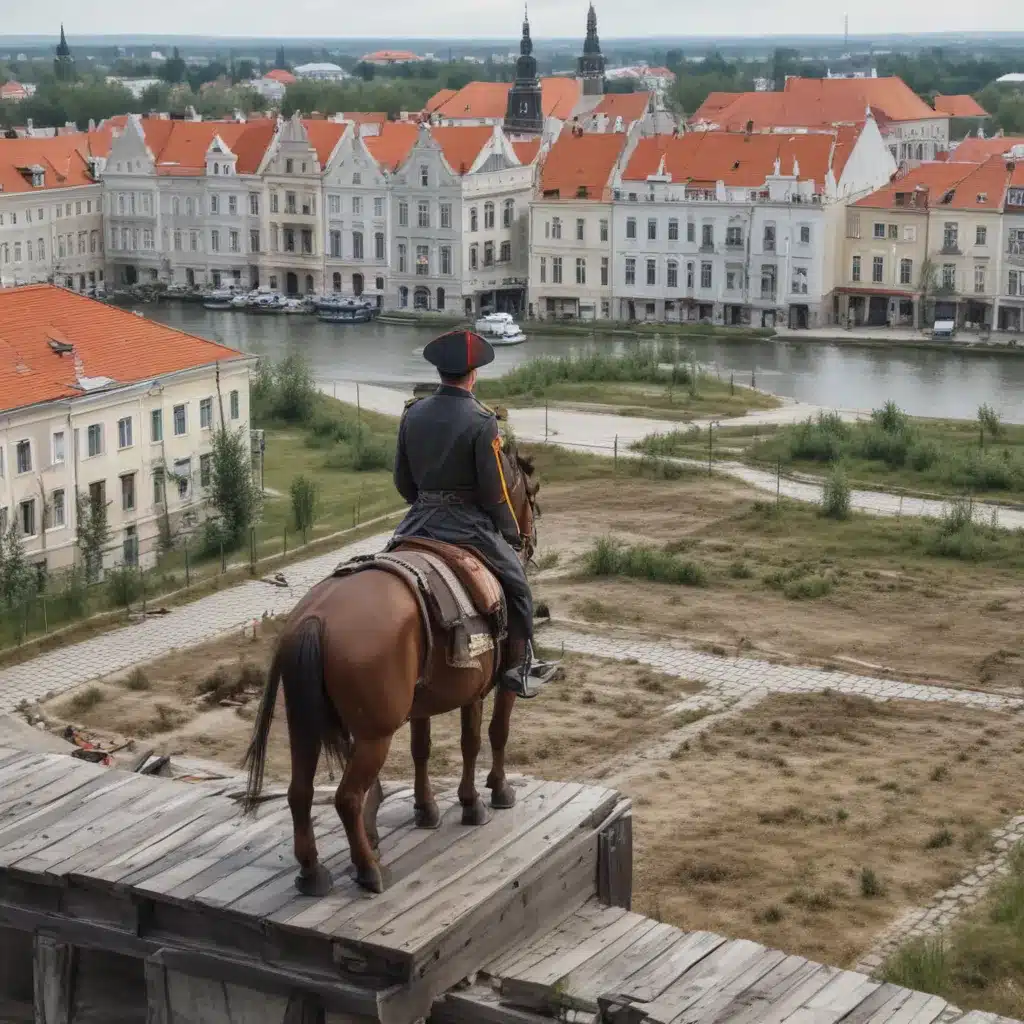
(461,145)
(362,117)
(984,188)
(391,147)
(959,106)
(13,90)
(389,55)
(931,180)
(891,95)
(527,150)
(439,99)
(558,97)
(180,147)
(279,75)
(108,342)
(580,166)
(630,106)
(62,157)
(733,158)
(323,137)
(715,103)
(975,150)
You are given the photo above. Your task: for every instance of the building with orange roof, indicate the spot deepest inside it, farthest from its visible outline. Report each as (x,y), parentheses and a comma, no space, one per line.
(976,149)
(736,228)
(459,224)
(13,92)
(570,226)
(384,58)
(100,404)
(51,199)
(486,103)
(1009,315)
(960,106)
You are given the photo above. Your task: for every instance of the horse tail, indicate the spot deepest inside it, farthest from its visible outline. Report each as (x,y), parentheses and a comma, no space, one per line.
(256,756)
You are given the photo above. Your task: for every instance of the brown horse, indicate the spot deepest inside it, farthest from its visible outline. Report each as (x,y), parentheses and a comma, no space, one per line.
(350,656)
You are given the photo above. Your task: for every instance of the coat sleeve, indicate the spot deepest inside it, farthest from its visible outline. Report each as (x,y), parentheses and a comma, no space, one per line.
(492,478)
(403,474)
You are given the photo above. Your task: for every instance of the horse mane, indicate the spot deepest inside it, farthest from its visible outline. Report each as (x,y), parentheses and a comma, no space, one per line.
(525,464)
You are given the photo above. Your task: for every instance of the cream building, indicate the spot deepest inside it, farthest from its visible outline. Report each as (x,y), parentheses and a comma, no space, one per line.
(127,426)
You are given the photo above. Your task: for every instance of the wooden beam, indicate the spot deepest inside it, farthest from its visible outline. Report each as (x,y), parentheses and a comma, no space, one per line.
(54,976)
(615,859)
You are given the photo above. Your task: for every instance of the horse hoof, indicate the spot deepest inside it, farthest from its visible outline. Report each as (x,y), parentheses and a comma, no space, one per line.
(474,813)
(371,878)
(427,815)
(503,797)
(317,883)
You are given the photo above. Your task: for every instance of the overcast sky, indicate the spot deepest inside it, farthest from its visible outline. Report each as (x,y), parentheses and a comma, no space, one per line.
(472,18)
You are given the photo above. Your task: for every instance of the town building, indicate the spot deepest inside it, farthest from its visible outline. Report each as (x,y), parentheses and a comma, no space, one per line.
(51,226)
(1010,268)
(13,92)
(321,72)
(102,406)
(384,58)
(736,228)
(570,226)
(273,85)
(976,149)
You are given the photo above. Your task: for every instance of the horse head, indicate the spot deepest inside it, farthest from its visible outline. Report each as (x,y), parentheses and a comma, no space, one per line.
(523,495)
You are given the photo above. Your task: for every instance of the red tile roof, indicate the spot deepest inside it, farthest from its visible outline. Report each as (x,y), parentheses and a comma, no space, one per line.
(975,150)
(108,342)
(323,137)
(732,157)
(461,144)
(630,106)
(438,100)
(180,147)
(279,75)
(931,181)
(387,56)
(62,157)
(984,188)
(890,95)
(13,91)
(715,103)
(558,97)
(959,106)
(581,162)
(527,150)
(391,147)
(364,117)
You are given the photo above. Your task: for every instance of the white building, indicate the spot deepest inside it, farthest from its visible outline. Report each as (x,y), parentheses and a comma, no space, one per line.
(51,212)
(129,426)
(735,228)
(322,72)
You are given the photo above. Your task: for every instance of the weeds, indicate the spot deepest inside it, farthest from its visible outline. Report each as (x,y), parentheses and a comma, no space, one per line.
(137,680)
(609,558)
(85,700)
(939,839)
(870,884)
(835,495)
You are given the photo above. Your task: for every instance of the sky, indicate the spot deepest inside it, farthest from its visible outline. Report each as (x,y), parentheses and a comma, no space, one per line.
(501,18)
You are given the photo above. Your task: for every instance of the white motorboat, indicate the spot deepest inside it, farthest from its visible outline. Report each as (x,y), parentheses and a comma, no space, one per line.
(219,298)
(500,329)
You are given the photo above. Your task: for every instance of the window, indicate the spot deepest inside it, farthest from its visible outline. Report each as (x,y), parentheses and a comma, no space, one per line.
(190,207)
(691,231)
(214,204)
(906,271)
(423,214)
(556,270)
(800,281)
(630,270)
(508,213)
(403,296)
(335,242)
(543,270)
(205,413)
(556,227)
(652,272)
(580,228)
(581,270)
(689,275)
(707,236)
(98,494)
(446,259)
(705,275)
(183,476)
(233,402)
(488,254)
(652,229)
(233,241)
(254,204)
(289,166)
(424,176)
(94,440)
(357,178)
(23,456)
(158,486)
(879,231)
(205,469)
(290,205)
(274,203)
(58,511)
(156,425)
(894,232)
(910,233)
(403,214)
(950,236)
(180,421)
(177,240)
(58,447)
(979,278)
(378,208)
(473,219)
(233,205)
(949,276)
(488,215)
(379,250)
(980,235)
(805,234)
(604,270)
(403,262)
(734,237)
(357,206)
(254,240)
(877,269)
(357,245)
(214,240)
(124,432)
(128,492)
(505,255)
(604,230)
(423,260)
(193,241)
(673,274)
(769,238)
(446,215)
(855,269)
(631,227)
(27,517)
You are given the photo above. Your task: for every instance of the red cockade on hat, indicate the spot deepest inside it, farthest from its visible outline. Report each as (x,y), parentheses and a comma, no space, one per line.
(457,352)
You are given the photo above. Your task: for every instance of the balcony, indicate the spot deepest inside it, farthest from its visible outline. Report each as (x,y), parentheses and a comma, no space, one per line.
(950,249)
(735,245)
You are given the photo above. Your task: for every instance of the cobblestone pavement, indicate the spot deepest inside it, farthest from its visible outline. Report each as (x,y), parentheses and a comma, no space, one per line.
(186,626)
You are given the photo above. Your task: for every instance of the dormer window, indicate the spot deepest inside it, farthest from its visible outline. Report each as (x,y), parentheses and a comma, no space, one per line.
(38,178)
(982,197)
(216,168)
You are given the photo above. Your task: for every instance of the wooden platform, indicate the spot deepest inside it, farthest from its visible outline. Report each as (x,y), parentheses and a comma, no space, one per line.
(606,963)
(168,879)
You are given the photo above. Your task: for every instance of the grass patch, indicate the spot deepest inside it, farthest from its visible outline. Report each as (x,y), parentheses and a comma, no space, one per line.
(609,558)
(870,884)
(85,700)
(137,681)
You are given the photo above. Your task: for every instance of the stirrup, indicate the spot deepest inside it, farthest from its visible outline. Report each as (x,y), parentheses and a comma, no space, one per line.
(545,671)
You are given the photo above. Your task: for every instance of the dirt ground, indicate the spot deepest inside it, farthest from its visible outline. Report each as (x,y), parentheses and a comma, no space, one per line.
(890,609)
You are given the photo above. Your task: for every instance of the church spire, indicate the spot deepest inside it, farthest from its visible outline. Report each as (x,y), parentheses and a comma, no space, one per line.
(63,64)
(63,50)
(590,67)
(524,113)
(592,44)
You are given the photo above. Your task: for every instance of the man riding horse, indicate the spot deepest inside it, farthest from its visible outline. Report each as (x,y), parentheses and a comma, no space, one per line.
(450,468)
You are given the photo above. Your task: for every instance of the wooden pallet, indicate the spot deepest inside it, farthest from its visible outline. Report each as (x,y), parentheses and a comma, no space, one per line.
(603,963)
(170,873)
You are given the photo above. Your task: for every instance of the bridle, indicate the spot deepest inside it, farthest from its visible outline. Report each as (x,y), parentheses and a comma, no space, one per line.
(521,491)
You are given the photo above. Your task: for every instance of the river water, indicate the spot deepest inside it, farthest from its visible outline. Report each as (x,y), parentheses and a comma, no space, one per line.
(923,382)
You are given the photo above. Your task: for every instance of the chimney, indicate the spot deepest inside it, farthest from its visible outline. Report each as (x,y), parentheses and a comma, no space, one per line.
(750,127)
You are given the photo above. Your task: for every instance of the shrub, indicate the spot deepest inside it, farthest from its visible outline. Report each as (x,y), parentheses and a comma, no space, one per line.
(372,454)
(870,884)
(891,418)
(989,421)
(124,585)
(137,680)
(608,558)
(821,439)
(835,495)
(304,495)
(922,964)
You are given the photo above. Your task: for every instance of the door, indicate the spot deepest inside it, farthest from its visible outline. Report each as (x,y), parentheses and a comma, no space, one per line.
(291,283)
(357,285)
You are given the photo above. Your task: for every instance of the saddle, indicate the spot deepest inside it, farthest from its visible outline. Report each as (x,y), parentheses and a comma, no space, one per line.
(456,591)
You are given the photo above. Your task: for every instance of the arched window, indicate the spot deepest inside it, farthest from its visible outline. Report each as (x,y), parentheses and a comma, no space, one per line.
(357,285)
(488,215)
(309,284)
(403,296)
(216,168)
(473,219)
(508,213)
(336,281)
(440,298)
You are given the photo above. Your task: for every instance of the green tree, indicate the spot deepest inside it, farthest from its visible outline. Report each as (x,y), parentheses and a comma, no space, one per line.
(93,534)
(173,70)
(235,498)
(16,578)
(305,497)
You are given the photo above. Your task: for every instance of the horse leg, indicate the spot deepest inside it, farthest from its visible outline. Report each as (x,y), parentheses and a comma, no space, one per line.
(424,804)
(374,798)
(503,796)
(361,773)
(473,810)
(313,878)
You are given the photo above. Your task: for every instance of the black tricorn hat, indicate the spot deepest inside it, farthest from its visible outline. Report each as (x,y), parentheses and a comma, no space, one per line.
(457,352)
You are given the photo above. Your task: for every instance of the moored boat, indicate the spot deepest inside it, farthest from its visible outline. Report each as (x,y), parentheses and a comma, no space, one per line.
(500,329)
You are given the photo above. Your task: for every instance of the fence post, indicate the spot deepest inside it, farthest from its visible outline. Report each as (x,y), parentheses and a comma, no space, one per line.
(188,568)
(545,421)
(711,441)
(252,549)
(285,541)
(615,455)
(142,578)
(223,563)
(334,388)
(46,627)
(753,379)
(359,407)
(778,480)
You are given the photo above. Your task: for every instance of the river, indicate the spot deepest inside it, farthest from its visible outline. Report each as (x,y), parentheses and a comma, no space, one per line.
(923,382)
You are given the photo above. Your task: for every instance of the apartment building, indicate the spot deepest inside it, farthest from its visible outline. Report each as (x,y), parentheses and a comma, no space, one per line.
(101,404)
(1010,302)
(51,211)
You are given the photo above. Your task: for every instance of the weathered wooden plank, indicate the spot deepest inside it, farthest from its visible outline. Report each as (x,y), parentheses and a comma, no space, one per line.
(831,1003)
(156,992)
(108,988)
(779,998)
(920,1008)
(478,1006)
(54,971)
(25,783)
(879,1006)
(978,1017)
(653,978)
(586,985)
(615,861)
(718,997)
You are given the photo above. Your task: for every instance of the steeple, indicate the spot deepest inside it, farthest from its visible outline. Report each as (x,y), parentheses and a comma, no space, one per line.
(63,62)
(590,67)
(524,113)
(63,50)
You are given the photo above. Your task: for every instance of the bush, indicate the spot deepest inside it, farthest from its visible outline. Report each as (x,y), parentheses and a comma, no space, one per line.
(870,884)
(124,585)
(821,439)
(609,558)
(285,391)
(371,454)
(304,495)
(891,418)
(835,495)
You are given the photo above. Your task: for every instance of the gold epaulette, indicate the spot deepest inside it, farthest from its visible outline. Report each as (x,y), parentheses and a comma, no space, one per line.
(411,402)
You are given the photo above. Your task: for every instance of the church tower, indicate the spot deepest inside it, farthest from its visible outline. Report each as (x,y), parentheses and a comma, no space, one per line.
(590,67)
(64,63)
(524,114)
